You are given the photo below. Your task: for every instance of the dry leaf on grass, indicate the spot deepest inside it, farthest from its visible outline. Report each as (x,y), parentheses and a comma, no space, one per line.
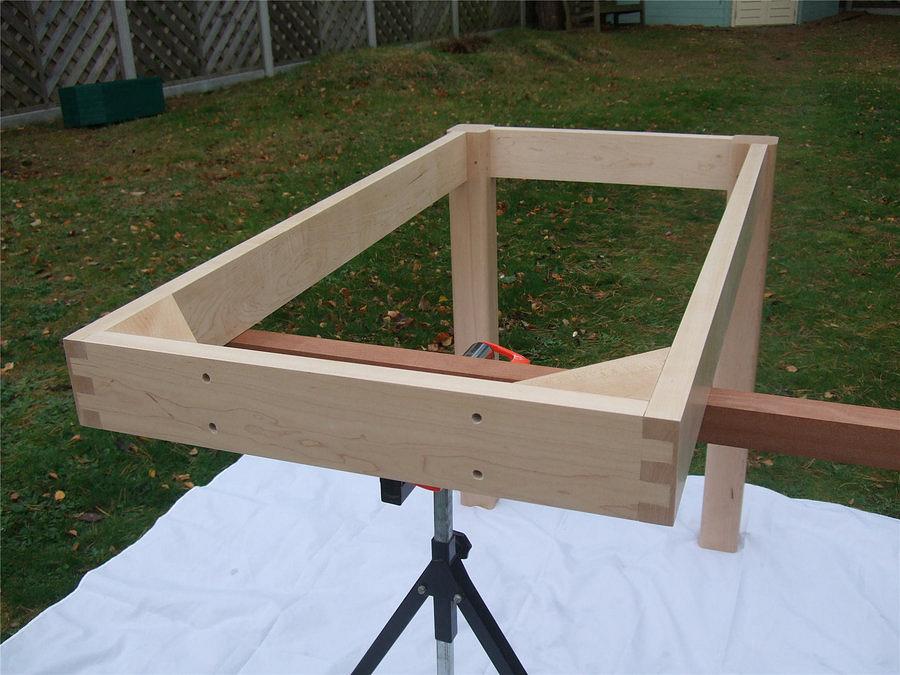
(89,517)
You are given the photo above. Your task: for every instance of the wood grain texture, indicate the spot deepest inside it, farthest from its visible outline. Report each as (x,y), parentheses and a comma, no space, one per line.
(630,377)
(473,255)
(246,284)
(391,357)
(832,432)
(228,294)
(473,245)
(676,407)
(163,318)
(726,466)
(674,160)
(567,449)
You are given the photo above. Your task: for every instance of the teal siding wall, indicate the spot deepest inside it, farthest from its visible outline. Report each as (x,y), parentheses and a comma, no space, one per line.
(813,10)
(688,12)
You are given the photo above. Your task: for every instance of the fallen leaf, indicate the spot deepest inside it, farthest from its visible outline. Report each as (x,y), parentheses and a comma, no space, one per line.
(72,533)
(443,298)
(187,485)
(589,199)
(152,473)
(790,368)
(53,475)
(46,331)
(424,304)
(193,452)
(76,437)
(13,496)
(8,367)
(502,207)
(89,517)
(59,495)
(766,461)
(829,394)
(138,193)
(432,347)
(444,339)
(182,477)
(403,321)
(75,546)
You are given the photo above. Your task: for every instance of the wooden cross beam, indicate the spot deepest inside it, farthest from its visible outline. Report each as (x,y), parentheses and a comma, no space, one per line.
(834,432)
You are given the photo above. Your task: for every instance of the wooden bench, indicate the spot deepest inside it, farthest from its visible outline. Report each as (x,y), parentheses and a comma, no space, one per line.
(583,14)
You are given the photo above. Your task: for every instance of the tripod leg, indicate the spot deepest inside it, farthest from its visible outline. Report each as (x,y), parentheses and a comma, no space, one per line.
(484,626)
(393,628)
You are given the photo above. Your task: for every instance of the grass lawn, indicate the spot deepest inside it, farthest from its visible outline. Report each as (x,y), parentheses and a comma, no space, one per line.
(94,218)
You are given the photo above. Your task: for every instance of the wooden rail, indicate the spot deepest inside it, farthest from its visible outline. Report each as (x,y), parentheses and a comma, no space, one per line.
(833,432)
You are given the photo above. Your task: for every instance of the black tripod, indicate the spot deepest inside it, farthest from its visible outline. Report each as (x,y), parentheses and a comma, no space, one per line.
(446,580)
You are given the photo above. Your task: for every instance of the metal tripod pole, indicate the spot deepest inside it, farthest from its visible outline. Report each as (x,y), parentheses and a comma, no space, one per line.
(447,583)
(443,532)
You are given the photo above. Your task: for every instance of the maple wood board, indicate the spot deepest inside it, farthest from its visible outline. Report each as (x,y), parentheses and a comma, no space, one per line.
(614,439)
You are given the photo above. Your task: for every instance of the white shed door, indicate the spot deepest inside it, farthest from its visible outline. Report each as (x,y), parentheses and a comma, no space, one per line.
(763,12)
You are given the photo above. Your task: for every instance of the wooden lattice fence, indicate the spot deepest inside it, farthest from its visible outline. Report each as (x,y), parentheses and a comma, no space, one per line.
(48,44)
(295,30)
(164,39)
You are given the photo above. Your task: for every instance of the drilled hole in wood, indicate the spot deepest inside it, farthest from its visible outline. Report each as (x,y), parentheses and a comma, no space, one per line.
(213,428)
(205,377)
(477,475)
(476,418)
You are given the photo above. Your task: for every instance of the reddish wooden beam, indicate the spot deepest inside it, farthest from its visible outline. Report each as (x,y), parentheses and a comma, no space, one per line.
(829,431)
(391,357)
(835,432)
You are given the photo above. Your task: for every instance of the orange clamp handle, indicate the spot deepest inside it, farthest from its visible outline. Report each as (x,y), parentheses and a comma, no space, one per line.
(514,357)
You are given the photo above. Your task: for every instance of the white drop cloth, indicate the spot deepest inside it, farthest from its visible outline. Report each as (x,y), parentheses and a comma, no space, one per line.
(280,568)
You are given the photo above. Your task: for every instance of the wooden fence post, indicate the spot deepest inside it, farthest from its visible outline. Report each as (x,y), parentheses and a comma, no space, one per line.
(265,37)
(726,467)
(123,39)
(473,255)
(370,23)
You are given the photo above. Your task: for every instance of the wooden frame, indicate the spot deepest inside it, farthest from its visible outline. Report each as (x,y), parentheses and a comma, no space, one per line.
(614,438)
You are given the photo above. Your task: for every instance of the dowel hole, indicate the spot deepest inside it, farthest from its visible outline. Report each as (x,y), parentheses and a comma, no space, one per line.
(476,418)
(205,377)
(213,428)
(477,475)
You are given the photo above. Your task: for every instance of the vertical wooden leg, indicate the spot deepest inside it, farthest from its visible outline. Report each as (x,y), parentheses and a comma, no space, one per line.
(473,254)
(726,467)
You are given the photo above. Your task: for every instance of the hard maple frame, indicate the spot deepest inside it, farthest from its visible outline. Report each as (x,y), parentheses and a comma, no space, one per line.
(614,438)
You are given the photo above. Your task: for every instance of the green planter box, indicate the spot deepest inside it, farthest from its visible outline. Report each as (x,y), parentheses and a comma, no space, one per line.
(87,105)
